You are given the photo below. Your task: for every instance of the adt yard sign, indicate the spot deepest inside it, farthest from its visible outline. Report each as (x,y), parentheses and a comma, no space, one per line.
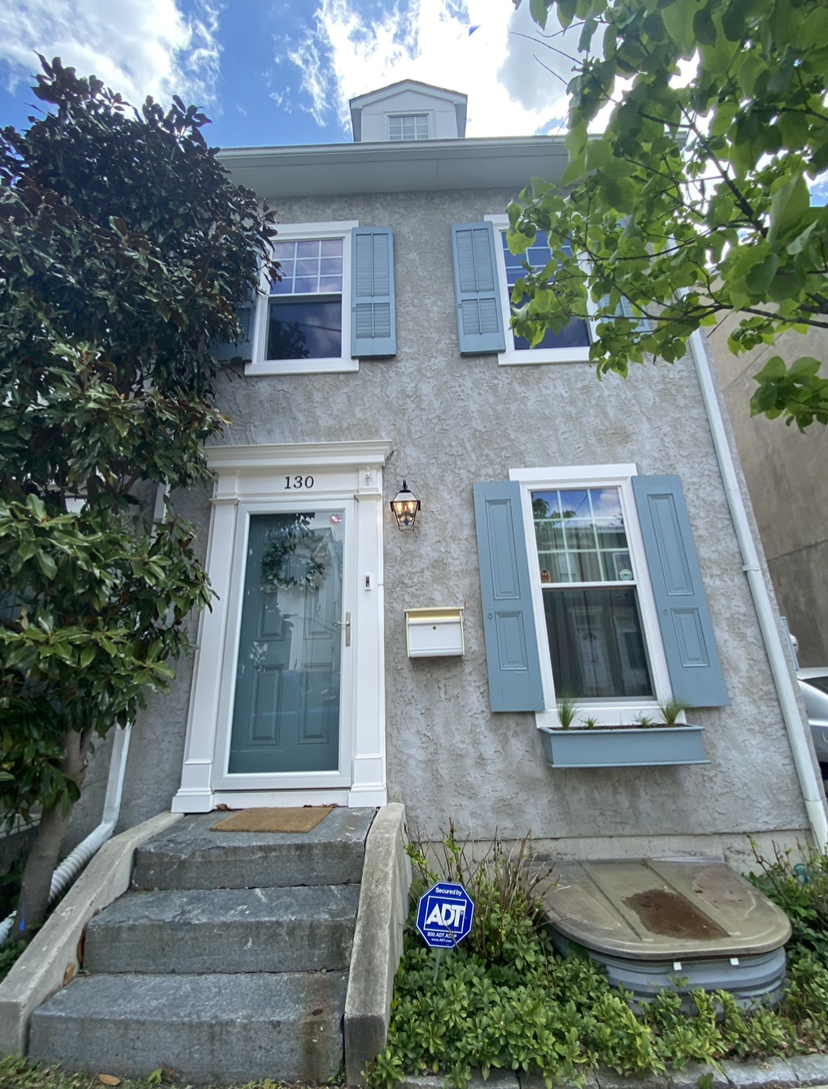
(444,915)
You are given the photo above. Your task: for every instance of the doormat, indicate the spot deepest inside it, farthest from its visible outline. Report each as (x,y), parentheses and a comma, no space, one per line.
(273,820)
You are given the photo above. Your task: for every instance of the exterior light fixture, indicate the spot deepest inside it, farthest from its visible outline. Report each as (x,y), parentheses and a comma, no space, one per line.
(404,507)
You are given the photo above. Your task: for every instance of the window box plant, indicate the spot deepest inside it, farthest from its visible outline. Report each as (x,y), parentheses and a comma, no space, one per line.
(584,744)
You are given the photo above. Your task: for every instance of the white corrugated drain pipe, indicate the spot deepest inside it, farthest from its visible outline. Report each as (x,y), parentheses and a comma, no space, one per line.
(74,862)
(811,787)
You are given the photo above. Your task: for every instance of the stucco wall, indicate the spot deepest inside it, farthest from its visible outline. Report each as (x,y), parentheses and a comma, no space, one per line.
(456,420)
(786,475)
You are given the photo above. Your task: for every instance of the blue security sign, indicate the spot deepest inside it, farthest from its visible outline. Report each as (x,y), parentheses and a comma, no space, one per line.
(444,915)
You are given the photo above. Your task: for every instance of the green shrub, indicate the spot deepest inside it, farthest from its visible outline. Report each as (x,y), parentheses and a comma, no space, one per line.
(800,888)
(505,999)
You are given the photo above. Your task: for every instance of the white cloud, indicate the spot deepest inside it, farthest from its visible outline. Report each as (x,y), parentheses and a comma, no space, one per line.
(137,47)
(510,93)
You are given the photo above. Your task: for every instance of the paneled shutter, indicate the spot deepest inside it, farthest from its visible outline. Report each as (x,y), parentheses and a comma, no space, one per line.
(237,349)
(479,314)
(508,617)
(373,316)
(686,629)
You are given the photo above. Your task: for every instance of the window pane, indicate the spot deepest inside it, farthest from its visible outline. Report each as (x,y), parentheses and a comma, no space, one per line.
(305,329)
(580,535)
(408,127)
(595,643)
(576,333)
(309,267)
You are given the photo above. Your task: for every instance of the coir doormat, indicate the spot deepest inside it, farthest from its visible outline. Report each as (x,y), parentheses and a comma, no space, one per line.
(273,820)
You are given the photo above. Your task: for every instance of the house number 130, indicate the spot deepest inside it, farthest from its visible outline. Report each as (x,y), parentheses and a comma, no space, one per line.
(298,481)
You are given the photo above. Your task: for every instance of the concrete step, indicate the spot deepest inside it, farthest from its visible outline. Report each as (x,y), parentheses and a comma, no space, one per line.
(190,856)
(208,1028)
(225,930)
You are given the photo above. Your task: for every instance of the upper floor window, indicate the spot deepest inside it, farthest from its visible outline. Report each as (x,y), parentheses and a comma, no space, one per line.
(571,345)
(304,319)
(575,334)
(410,126)
(332,305)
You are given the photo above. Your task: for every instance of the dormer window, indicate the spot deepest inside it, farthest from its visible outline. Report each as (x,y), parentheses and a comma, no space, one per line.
(408,126)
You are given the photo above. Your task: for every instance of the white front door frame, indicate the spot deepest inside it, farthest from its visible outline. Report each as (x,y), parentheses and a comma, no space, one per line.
(258,478)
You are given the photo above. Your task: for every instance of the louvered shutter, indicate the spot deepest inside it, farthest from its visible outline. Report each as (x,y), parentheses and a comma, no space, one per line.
(508,618)
(686,628)
(373,317)
(479,313)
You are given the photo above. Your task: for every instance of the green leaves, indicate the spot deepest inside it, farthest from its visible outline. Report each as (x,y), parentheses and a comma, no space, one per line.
(694,202)
(797,392)
(111,292)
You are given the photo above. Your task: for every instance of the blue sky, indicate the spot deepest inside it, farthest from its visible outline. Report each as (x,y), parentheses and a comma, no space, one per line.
(282,71)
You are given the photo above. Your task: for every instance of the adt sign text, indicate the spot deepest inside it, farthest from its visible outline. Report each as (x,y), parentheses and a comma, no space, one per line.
(444,915)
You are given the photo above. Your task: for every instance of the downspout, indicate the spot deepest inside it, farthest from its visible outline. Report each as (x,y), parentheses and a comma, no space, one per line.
(809,783)
(75,861)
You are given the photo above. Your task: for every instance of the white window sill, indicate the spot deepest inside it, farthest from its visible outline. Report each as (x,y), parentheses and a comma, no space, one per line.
(542,356)
(338,365)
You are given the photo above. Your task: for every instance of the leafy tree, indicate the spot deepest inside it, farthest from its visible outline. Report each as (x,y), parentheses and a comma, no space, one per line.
(695,200)
(123,248)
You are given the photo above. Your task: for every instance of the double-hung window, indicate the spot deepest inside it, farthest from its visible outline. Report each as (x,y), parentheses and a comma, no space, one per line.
(571,344)
(485,274)
(332,304)
(592,589)
(590,594)
(301,322)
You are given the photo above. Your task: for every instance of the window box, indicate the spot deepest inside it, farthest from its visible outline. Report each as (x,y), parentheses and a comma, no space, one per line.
(624,747)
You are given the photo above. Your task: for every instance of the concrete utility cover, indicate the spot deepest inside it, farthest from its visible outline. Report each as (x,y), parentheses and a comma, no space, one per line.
(653,910)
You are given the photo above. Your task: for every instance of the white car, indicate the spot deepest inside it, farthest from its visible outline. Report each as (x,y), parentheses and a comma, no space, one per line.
(813,684)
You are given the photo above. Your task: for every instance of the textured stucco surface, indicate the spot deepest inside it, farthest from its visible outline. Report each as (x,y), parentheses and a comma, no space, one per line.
(786,475)
(467,420)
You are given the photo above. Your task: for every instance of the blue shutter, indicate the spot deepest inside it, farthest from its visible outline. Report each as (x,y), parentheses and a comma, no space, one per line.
(479,314)
(373,316)
(686,629)
(508,618)
(222,351)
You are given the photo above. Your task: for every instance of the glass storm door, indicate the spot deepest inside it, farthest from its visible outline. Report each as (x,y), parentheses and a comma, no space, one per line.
(287,691)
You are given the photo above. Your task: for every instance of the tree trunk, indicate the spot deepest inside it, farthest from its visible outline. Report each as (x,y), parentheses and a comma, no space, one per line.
(43,859)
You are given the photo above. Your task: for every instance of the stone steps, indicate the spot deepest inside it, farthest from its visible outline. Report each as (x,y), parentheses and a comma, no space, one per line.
(225,930)
(190,856)
(208,1028)
(228,960)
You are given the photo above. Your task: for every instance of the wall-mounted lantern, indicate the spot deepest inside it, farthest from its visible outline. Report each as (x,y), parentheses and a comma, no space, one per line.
(404,507)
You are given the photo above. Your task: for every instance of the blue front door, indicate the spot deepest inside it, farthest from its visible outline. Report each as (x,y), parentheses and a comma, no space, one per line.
(286,710)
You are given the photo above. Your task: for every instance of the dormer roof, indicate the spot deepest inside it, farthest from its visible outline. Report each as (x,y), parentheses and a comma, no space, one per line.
(409,96)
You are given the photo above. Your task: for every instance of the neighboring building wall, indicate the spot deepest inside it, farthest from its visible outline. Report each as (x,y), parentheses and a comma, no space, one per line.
(787,476)
(457,420)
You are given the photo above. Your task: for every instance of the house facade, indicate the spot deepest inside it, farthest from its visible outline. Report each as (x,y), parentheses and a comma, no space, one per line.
(574,537)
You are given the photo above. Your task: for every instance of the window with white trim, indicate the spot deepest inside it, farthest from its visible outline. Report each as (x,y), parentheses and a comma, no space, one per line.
(301,323)
(410,126)
(591,587)
(571,345)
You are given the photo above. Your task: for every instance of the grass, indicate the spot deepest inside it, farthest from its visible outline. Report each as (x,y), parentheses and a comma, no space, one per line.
(17,1073)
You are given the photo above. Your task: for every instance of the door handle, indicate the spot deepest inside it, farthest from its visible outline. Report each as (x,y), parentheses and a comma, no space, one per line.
(338,624)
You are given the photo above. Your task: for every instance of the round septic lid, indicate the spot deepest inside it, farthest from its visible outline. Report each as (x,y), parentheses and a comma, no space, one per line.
(652,910)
